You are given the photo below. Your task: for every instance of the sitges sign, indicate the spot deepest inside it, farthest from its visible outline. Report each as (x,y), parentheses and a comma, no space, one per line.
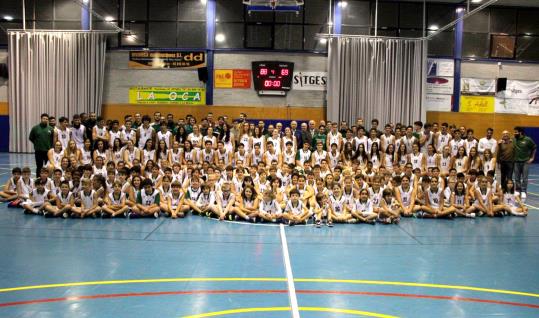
(310,81)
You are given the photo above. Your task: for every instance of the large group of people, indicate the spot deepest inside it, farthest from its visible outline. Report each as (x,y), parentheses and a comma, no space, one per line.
(246,170)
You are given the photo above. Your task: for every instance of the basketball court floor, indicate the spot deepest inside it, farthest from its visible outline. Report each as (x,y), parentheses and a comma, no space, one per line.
(199,267)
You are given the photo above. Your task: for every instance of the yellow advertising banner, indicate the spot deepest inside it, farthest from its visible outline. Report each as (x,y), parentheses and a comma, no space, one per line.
(167,95)
(476,104)
(223,78)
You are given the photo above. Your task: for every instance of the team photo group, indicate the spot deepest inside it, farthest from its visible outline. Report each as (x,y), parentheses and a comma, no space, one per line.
(252,171)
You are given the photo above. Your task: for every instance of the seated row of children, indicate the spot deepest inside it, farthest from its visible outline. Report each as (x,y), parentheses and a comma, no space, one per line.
(289,195)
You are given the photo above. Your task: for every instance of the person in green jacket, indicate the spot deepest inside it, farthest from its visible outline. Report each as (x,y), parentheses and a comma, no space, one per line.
(320,136)
(524,153)
(41,136)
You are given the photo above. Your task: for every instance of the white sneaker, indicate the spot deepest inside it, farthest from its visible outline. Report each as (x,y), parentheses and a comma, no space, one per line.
(523,196)
(470,215)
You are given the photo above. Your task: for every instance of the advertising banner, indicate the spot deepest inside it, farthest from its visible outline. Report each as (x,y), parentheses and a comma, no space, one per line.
(440,67)
(476,104)
(440,85)
(232,79)
(511,106)
(310,81)
(439,103)
(522,89)
(166,59)
(167,95)
(478,86)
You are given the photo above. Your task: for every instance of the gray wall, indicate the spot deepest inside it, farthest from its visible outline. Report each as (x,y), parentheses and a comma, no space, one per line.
(238,97)
(118,79)
(515,71)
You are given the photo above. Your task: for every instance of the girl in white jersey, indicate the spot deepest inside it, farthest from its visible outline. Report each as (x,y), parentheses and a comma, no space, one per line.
(117,152)
(489,162)
(175,154)
(460,200)
(131,153)
(362,208)
(55,155)
(483,199)
(511,201)
(445,161)
(269,209)
(86,153)
(339,208)
(246,206)
(460,161)
(405,195)
(434,201)
(115,201)
(322,209)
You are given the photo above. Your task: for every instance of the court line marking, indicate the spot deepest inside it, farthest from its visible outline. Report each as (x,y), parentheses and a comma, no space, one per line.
(264,291)
(289,276)
(270,279)
(531,206)
(274,309)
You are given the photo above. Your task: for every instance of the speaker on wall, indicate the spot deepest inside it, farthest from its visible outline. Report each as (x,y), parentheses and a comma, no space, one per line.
(203,74)
(501,84)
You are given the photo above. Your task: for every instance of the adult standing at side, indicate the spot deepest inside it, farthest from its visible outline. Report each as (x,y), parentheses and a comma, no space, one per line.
(505,157)
(524,155)
(41,137)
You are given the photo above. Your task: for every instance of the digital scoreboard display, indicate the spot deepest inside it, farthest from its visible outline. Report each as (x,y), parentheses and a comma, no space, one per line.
(272,78)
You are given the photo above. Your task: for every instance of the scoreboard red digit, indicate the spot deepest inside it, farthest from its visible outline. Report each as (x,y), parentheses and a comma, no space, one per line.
(272,77)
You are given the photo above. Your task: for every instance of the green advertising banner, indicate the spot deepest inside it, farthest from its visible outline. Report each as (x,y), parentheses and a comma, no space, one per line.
(167,95)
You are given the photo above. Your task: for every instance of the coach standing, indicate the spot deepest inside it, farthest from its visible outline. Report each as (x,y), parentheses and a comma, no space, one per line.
(524,155)
(40,136)
(505,157)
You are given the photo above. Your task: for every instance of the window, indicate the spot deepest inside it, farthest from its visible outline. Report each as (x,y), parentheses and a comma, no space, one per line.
(388,15)
(527,48)
(192,34)
(503,46)
(162,34)
(316,11)
(478,23)
(135,36)
(411,16)
(476,45)
(233,35)
(441,44)
(163,10)
(356,13)
(258,36)
(229,11)
(527,22)
(288,37)
(503,21)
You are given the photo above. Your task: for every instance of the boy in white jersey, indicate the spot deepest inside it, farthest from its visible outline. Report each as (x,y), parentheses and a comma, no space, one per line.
(148,200)
(88,201)
(62,133)
(38,198)
(175,206)
(63,203)
(295,212)
(269,209)
(115,201)
(225,200)
(9,192)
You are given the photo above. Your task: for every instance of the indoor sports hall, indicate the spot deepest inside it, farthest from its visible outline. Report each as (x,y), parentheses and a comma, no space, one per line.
(269,158)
